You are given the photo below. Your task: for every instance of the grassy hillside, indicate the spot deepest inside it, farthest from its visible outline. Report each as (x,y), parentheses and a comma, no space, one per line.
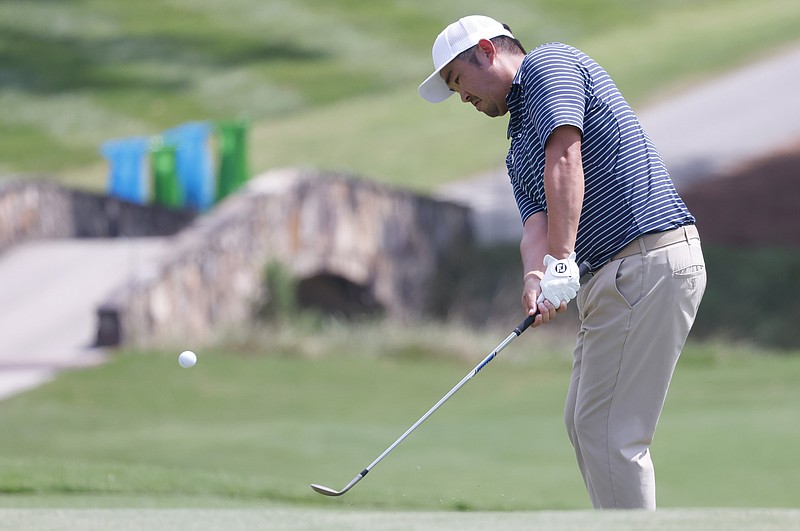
(327,83)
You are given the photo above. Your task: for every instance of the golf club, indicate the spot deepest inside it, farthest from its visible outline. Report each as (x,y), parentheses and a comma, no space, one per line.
(327,491)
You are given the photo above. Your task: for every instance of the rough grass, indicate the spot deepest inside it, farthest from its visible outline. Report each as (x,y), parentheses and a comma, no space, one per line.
(329,84)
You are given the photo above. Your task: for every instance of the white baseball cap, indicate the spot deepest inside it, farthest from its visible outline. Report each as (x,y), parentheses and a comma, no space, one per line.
(457,37)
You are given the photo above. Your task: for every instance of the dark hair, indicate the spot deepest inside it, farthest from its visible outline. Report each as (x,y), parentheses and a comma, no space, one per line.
(502,42)
(509,44)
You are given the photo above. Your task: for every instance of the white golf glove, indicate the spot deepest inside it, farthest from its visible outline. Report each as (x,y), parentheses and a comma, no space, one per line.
(561,280)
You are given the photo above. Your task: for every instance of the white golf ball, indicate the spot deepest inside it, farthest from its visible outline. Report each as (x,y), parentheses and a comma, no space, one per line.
(187,359)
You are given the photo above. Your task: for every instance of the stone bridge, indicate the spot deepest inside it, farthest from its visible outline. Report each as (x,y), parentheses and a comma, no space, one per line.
(351,245)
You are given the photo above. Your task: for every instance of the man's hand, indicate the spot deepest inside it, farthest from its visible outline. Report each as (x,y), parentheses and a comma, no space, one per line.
(545,312)
(561,280)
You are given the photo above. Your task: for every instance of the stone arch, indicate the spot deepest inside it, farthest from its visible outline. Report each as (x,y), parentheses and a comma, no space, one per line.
(350,244)
(333,294)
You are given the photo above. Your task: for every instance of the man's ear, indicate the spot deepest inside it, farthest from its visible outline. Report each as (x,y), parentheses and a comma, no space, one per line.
(486,50)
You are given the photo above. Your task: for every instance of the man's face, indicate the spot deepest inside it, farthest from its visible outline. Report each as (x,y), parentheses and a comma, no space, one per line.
(478,84)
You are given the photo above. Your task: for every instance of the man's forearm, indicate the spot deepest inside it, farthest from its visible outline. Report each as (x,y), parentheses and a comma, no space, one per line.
(564,186)
(533,246)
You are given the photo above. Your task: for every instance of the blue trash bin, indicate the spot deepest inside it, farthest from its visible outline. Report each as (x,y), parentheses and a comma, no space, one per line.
(194,163)
(127,175)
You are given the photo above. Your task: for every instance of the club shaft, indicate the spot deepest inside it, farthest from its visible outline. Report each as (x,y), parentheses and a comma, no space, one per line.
(450,393)
(584,268)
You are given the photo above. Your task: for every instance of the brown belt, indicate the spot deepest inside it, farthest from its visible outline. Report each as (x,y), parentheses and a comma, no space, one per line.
(649,242)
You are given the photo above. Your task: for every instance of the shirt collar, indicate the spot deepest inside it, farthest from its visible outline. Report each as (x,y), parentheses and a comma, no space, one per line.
(513,99)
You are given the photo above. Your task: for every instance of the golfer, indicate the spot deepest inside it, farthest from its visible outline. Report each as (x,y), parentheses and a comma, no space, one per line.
(590,187)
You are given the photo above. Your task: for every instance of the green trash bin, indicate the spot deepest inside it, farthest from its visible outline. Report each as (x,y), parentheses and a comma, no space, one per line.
(233,170)
(166,187)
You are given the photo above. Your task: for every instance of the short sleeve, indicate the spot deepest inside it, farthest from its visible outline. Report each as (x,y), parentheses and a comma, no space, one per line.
(555,86)
(527,206)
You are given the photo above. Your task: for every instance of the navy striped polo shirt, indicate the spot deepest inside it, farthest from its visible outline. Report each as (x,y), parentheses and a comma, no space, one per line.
(627,189)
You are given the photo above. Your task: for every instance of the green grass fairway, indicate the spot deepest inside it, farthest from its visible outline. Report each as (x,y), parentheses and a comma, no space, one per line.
(253,428)
(307,519)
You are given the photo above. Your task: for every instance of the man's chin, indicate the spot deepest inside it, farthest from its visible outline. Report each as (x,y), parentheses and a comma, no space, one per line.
(493,112)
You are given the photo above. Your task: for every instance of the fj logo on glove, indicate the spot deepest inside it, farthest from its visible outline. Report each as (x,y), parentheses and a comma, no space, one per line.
(561,280)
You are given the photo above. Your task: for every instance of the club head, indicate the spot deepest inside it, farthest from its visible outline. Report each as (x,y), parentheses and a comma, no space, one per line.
(325,491)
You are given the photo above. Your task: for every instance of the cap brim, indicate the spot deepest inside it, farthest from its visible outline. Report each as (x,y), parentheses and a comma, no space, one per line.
(434,89)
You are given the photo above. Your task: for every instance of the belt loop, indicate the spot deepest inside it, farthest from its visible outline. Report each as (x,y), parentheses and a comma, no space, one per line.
(642,245)
(685,233)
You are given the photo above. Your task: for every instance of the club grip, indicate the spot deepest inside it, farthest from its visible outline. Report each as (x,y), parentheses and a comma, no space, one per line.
(582,270)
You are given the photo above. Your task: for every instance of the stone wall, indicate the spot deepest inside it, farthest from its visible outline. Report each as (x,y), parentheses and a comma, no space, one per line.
(387,241)
(34,210)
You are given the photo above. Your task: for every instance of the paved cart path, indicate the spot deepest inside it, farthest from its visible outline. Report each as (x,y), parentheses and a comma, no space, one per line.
(49,291)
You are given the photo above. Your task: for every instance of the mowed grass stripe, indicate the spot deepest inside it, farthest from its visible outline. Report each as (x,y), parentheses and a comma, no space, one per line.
(311,519)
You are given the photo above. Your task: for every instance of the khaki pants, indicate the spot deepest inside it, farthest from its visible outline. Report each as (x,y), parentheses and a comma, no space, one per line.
(635,315)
